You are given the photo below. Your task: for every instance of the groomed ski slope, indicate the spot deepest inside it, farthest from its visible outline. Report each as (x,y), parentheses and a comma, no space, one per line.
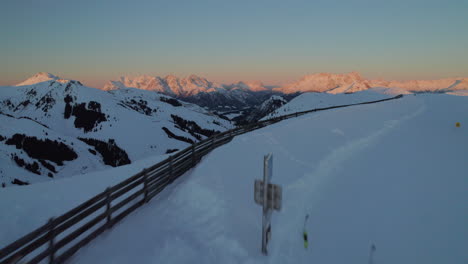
(393,174)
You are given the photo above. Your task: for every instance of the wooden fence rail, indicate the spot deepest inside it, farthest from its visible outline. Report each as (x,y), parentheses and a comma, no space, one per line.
(61,237)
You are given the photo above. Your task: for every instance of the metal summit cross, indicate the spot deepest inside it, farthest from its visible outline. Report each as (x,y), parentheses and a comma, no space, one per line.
(269,199)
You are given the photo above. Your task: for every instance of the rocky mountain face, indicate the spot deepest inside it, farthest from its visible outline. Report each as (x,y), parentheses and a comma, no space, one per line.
(171,85)
(199,90)
(229,100)
(52,128)
(267,107)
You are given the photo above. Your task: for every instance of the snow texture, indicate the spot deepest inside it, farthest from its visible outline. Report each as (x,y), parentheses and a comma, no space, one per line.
(308,101)
(391,174)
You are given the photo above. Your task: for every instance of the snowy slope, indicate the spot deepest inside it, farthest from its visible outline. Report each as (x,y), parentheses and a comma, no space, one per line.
(371,183)
(140,123)
(308,101)
(28,207)
(397,180)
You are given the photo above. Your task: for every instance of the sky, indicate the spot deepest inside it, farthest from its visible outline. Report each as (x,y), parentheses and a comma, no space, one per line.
(226,41)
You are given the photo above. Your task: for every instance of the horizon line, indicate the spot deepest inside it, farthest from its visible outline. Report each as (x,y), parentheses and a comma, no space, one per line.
(213,79)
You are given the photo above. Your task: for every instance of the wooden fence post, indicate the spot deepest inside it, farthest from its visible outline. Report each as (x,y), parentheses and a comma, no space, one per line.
(194,159)
(171,171)
(108,207)
(213,141)
(145,185)
(51,241)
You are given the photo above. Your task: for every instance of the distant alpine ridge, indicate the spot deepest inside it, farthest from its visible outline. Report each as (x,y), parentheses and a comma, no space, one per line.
(319,82)
(199,90)
(182,87)
(354,82)
(242,95)
(244,99)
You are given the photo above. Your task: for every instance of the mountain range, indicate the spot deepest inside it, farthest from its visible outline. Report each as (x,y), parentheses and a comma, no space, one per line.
(354,82)
(183,87)
(199,90)
(54,128)
(86,129)
(241,96)
(320,82)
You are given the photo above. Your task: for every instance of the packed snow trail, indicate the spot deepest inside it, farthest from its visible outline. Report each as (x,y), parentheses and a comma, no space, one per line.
(308,190)
(391,174)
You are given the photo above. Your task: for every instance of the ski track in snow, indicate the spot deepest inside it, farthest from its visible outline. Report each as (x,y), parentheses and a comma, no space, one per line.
(308,187)
(273,141)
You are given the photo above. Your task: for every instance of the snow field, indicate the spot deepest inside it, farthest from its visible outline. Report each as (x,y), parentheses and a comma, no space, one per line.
(392,174)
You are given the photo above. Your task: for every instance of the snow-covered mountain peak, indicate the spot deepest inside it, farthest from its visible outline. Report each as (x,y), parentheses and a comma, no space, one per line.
(38,78)
(195,84)
(346,77)
(256,86)
(170,84)
(328,82)
(143,82)
(41,77)
(253,86)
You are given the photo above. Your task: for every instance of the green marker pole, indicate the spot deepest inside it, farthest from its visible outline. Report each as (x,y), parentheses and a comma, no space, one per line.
(306,241)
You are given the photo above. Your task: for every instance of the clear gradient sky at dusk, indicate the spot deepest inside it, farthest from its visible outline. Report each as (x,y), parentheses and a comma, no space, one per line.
(272,41)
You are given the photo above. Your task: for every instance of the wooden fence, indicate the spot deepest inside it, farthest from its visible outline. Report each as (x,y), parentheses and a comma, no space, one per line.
(61,237)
